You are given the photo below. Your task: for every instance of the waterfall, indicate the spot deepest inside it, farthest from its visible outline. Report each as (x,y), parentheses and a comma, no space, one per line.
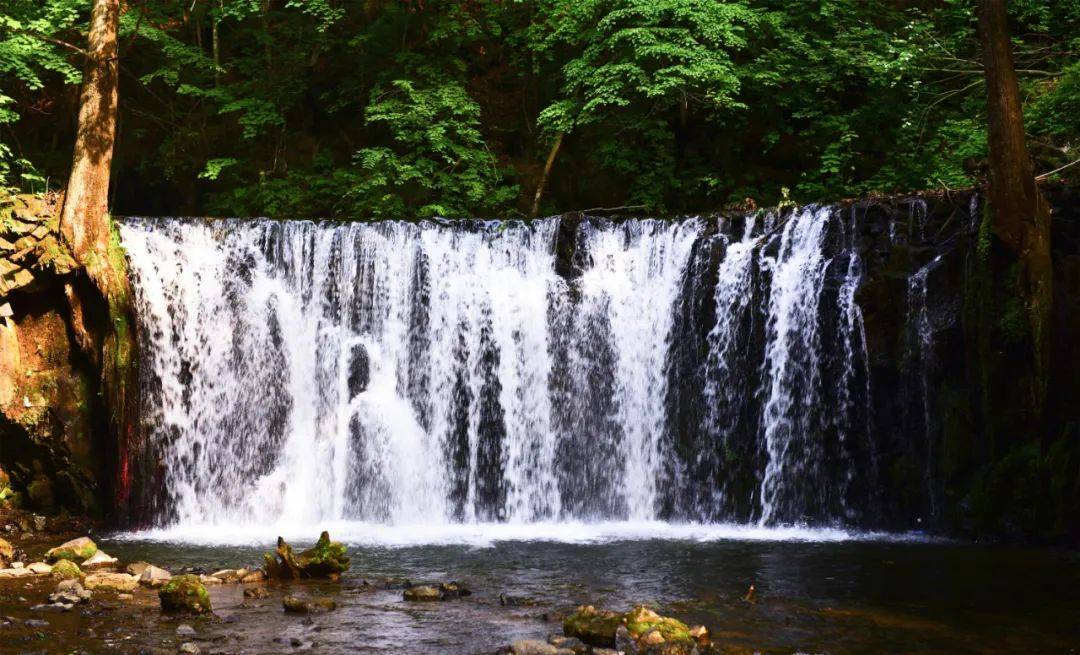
(447,372)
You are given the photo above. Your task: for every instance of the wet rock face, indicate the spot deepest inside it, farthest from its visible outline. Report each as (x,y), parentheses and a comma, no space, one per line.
(359,370)
(48,458)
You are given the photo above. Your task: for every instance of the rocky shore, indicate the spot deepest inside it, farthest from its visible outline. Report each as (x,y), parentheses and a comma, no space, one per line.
(78,579)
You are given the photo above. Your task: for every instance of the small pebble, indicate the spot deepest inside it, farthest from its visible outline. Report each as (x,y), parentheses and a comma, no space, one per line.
(185,630)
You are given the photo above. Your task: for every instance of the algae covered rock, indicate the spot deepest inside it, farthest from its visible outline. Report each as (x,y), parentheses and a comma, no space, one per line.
(326,559)
(648,626)
(76,550)
(185,593)
(65,569)
(593,626)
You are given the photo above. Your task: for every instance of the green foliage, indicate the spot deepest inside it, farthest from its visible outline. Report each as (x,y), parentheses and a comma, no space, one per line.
(354,108)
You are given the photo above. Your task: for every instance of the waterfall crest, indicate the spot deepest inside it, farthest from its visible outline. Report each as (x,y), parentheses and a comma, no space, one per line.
(703,369)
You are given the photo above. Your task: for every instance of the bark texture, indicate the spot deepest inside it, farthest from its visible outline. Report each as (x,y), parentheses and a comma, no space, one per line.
(1019,213)
(88,230)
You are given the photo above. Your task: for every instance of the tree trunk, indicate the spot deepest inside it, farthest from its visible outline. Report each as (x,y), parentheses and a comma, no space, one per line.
(84,219)
(544,176)
(1020,215)
(86,227)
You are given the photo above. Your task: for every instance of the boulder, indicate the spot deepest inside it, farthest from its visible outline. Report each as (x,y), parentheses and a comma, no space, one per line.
(326,559)
(152,576)
(7,551)
(40,568)
(593,626)
(294,605)
(118,582)
(20,572)
(136,568)
(189,648)
(99,561)
(185,593)
(253,577)
(66,569)
(76,550)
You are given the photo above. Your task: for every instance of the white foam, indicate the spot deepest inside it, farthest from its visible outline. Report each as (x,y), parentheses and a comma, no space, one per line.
(484,535)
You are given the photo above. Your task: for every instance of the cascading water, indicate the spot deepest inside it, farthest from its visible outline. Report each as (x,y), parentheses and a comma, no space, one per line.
(298,373)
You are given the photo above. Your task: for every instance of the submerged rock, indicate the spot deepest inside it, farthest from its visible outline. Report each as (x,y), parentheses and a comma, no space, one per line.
(77,550)
(66,569)
(185,593)
(70,592)
(431,592)
(118,582)
(423,593)
(256,592)
(537,647)
(294,605)
(326,559)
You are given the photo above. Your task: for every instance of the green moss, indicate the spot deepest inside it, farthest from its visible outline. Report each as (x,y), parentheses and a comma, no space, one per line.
(323,559)
(185,593)
(66,570)
(641,620)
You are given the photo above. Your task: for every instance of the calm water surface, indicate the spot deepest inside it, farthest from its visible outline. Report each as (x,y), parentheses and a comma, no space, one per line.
(839,597)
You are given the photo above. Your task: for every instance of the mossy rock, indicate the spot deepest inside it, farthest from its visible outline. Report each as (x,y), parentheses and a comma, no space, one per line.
(65,569)
(593,626)
(641,620)
(185,593)
(76,550)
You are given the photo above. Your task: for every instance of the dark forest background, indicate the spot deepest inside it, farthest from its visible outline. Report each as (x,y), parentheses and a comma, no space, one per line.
(407,108)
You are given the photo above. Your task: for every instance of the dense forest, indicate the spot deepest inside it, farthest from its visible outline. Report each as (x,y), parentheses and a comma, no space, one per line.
(413,108)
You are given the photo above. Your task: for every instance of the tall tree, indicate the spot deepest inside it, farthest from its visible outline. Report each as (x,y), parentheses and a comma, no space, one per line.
(84,219)
(1020,215)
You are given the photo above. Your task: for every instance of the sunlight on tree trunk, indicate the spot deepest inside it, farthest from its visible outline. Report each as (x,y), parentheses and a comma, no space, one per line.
(85,220)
